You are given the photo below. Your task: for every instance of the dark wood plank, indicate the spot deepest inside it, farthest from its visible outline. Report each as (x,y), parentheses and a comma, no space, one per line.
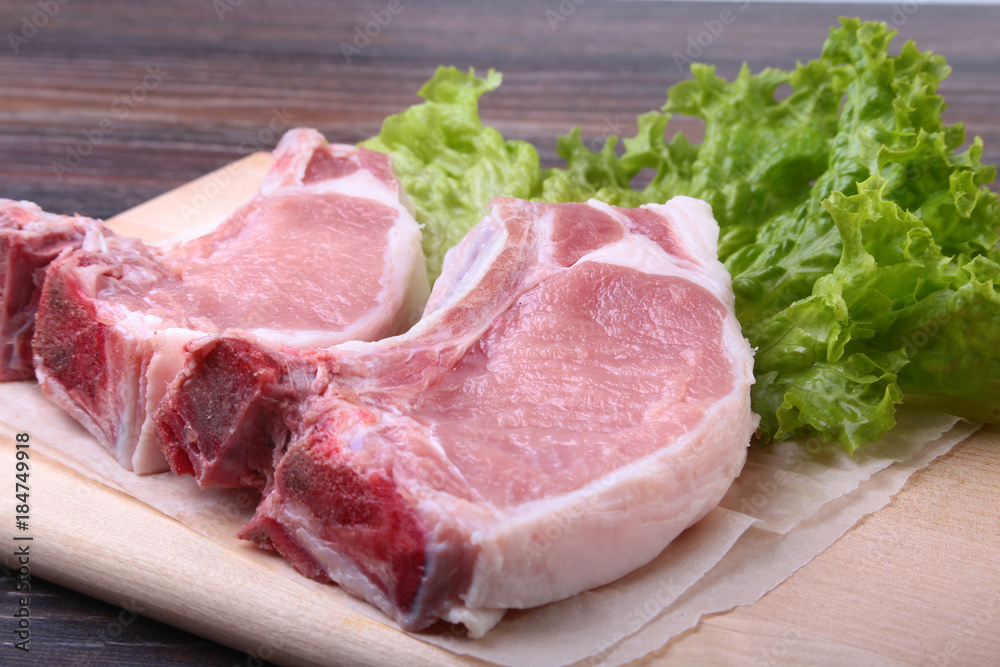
(68,628)
(150,95)
(225,80)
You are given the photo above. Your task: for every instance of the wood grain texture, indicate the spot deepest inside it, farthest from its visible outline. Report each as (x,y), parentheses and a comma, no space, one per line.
(70,628)
(229,78)
(916,583)
(157,94)
(168,572)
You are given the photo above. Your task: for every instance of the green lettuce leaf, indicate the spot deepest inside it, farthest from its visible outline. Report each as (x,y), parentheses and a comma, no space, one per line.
(917,236)
(862,246)
(861,243)
(450,164)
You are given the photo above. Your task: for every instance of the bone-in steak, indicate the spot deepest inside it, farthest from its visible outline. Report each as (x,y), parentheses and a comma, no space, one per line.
(29,240)
(575,395)
(325,252)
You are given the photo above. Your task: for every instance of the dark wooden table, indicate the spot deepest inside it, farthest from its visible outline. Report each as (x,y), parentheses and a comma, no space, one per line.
(105,105)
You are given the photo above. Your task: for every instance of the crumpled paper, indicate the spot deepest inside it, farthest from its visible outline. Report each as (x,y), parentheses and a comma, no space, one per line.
(790,503)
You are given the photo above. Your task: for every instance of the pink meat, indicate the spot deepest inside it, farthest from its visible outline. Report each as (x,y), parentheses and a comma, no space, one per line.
(576,394)
(29,240)
(325,252)
(238,399)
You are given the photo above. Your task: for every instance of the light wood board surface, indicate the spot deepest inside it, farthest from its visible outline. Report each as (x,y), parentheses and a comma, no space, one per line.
(916,583)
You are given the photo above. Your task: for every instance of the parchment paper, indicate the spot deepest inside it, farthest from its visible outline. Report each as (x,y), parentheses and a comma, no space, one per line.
(792,501)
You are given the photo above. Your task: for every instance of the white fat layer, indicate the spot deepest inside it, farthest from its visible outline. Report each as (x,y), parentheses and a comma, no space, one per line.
(638,252)
(464,267)
(522,553)
(522,561)
(157,344)
(165,362)
(402,297)
(404,275)
(522,558)
(403,281)
(361,183)
(619,521)
(693,221)
(477,621)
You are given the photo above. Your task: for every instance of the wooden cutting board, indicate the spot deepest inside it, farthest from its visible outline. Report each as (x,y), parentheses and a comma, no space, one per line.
(916,583)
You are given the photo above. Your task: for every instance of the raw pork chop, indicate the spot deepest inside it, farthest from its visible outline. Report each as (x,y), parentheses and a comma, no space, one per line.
(575,395)
(29,240)
(325,252)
